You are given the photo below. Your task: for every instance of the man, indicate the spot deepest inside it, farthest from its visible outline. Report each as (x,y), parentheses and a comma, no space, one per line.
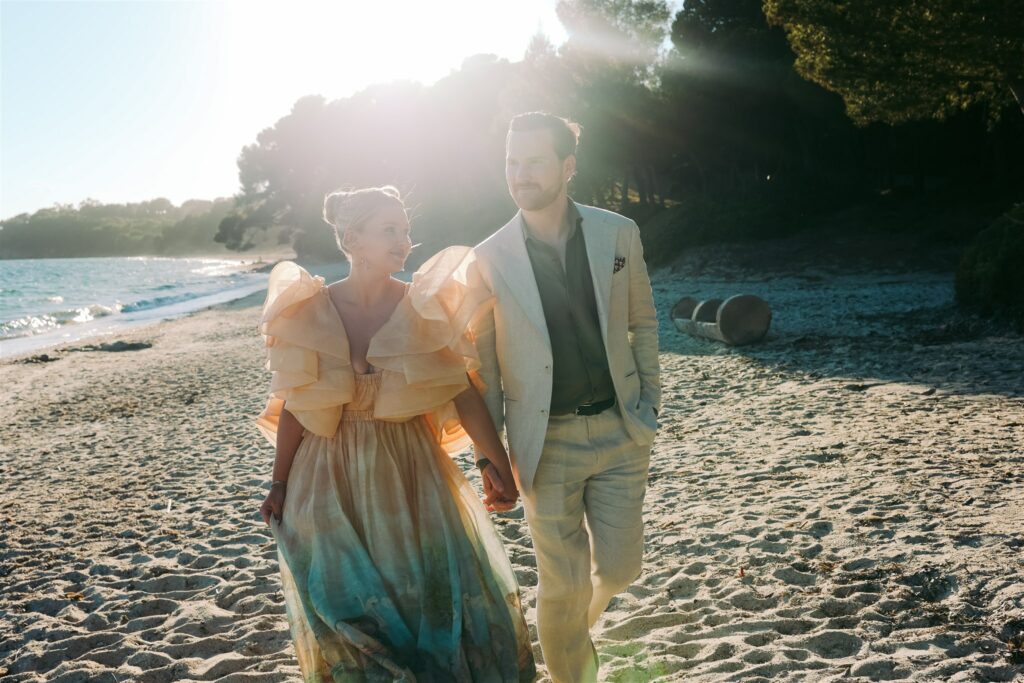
(570,358)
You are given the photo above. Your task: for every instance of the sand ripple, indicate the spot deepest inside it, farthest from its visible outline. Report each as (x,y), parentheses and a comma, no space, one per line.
(841,502)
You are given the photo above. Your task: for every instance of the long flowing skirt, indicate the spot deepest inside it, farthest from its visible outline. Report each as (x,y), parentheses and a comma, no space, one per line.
(392,570)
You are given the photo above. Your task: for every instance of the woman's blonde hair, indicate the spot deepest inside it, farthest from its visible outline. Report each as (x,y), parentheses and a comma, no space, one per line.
(346,210)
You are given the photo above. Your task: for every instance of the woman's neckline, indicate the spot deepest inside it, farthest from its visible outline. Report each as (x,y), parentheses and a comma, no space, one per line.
(369,343)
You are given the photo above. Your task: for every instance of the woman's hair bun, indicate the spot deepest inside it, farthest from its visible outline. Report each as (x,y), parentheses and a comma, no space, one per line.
(348,209)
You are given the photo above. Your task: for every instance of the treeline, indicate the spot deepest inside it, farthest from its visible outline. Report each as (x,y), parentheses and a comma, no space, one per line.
(152,228)
(730,134)
(760,119)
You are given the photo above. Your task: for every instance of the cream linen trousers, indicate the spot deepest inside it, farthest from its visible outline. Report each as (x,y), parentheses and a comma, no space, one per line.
(585,517)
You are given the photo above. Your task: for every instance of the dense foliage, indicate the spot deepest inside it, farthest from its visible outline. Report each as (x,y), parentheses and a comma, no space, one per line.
(990,279)
(155,227)
(899,61)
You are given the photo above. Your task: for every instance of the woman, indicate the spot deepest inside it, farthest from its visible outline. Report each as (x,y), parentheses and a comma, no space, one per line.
(391,568)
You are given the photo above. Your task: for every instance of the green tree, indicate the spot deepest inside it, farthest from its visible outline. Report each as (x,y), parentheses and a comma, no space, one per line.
(615,35)
(612,53)
(442,146)
(96,229)
(899,61)
(745,119)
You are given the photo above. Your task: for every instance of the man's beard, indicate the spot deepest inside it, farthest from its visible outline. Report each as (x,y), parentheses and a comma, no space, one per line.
(536,201)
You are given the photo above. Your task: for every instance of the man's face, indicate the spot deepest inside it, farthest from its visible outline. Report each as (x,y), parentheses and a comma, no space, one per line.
(536,176)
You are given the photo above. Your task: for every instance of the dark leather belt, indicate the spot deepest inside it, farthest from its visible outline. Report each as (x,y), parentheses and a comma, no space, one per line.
(594,408)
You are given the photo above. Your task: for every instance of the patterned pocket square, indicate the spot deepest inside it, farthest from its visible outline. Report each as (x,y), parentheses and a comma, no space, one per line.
(620,263)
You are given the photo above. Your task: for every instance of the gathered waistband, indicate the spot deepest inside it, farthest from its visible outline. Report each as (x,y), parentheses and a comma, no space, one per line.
(356,415)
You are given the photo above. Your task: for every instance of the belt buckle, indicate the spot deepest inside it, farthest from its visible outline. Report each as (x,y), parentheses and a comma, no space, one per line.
(583,409)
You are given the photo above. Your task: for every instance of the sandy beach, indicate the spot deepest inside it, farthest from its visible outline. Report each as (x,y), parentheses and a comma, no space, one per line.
(843,501)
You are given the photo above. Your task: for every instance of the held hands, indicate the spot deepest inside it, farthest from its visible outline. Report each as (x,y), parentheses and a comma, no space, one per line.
(273,504)
(500,493)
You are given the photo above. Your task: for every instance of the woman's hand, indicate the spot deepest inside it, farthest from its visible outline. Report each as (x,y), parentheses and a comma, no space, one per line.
(499,495)
(273,504)
(500,492)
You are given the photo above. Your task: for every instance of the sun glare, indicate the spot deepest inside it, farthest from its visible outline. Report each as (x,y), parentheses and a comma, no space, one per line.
(209,76)
(332,47)
(270,54)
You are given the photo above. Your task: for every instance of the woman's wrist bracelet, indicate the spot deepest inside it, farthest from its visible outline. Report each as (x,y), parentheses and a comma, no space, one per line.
(276,482)
(482,463)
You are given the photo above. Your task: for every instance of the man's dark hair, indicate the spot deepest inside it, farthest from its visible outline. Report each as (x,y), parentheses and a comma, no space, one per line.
(564,133)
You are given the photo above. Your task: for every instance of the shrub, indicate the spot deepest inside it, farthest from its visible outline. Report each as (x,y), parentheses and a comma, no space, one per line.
(990,277)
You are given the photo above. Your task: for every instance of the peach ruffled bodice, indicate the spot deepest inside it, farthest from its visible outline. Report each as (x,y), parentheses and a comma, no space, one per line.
(425,351)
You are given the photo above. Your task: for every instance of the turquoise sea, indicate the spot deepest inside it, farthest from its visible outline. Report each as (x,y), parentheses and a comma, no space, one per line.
(46,302)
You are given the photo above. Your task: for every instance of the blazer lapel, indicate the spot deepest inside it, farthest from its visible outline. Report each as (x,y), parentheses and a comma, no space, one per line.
(601,239)
(513,263)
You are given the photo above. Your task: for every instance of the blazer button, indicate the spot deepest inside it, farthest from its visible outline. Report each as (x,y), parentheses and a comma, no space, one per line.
(543,411)
(547,368)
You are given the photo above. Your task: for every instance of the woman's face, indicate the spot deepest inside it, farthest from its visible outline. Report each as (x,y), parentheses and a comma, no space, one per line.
(382,243)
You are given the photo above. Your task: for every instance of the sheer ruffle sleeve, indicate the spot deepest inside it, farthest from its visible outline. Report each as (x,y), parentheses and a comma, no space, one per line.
(307,352)
(426,349)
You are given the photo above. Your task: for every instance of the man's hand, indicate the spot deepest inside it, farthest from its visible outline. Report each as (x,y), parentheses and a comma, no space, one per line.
(499,496)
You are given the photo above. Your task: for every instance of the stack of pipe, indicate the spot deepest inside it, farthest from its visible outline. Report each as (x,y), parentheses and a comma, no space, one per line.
(741,319)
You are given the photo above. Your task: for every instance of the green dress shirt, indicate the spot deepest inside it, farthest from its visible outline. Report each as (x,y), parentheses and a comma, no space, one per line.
(580,372)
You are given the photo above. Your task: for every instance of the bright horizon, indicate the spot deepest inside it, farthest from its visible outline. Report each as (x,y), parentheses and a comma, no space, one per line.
(130,101)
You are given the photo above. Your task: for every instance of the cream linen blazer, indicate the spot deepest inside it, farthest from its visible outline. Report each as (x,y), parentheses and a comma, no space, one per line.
(515,350)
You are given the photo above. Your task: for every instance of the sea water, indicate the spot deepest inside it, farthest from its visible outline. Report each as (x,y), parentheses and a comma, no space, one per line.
(48,302)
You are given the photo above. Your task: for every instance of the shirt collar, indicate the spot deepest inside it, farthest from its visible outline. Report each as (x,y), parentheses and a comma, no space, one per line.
(575,221)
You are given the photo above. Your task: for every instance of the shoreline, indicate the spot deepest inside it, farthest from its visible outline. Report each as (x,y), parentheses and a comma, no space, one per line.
(108,327)
(839,502)
(20,348)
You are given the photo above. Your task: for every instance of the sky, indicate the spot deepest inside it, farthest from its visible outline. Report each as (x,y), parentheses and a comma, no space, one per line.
(124,101)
